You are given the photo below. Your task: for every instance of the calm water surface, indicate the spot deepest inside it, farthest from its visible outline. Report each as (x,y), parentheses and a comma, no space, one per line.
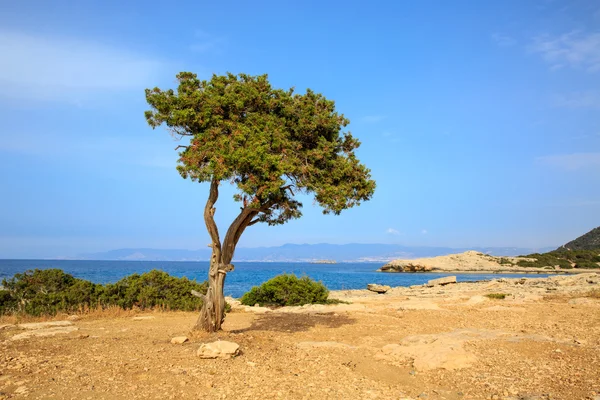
(246,274)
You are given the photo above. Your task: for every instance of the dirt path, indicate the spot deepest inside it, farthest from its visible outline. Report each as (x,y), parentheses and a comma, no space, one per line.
(447,342)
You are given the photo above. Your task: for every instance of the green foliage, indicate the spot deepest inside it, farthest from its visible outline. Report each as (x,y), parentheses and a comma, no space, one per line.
(565,259)
(287,290)
(588,241)
(47,292)
(271,143)
(496,296)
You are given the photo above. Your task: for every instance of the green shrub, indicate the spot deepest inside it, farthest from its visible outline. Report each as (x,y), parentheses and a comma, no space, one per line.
(496,296)
(47,292)
(287,290)
(565,259)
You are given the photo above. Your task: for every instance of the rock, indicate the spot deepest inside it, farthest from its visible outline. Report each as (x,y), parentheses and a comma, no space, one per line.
(400,266)
(143,317)
(442,281)
(218,349)
(45,332)
(74,317)
(179,339)
(373,287)
(43,325)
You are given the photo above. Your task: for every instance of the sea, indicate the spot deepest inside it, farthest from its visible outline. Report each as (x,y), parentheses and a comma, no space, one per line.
(341,276)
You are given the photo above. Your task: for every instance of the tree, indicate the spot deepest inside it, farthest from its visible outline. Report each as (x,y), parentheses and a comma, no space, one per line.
(271,143)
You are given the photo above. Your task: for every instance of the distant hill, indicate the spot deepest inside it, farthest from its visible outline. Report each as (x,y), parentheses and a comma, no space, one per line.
(589,241)
(304,253)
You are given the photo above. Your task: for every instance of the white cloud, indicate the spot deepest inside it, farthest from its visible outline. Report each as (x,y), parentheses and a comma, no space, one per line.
(575,49)
(578,100)
(503,40)
(373,118)
(572,162)
(49,68)
(392,231)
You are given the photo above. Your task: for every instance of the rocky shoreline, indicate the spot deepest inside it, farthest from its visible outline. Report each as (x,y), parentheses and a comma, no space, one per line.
(473,262)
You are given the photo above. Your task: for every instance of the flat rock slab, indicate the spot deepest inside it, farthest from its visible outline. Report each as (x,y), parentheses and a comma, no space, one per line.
(7,327)
(329,345)
(59,330)
(373,287)
(218,349)
(442,281)
(143,318)
(43,325)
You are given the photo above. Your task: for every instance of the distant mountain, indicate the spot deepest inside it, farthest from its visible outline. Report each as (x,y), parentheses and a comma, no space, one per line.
(305,253)
(589,241)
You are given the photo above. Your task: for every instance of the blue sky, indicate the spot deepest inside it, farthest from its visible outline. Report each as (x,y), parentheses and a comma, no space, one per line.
(480,121)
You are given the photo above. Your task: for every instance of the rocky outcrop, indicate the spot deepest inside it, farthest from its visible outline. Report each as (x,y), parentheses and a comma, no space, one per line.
(373,287)
(405,266)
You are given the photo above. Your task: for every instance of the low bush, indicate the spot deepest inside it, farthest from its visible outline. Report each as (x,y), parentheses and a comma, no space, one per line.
(496,296)
(287,290)
(47,292)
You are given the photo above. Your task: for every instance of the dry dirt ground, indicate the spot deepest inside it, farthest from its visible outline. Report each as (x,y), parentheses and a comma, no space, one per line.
(541,342)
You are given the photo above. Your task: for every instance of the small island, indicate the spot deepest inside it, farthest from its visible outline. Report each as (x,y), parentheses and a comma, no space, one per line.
(323,262)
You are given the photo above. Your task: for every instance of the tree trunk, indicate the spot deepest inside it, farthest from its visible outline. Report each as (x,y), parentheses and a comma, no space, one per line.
(212,312)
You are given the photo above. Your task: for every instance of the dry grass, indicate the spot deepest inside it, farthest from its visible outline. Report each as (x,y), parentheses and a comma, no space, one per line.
(82,313)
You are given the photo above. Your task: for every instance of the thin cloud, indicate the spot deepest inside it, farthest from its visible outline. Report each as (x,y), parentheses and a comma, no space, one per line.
(577,100)
(572,162)
(373,118)
(392,231)
(575,49)
(50,68)
(503,40)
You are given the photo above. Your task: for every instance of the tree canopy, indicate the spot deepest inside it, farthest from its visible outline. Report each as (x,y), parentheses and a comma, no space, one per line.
(271,143)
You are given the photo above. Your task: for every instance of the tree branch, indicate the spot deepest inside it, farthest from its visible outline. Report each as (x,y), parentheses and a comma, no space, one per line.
(198,294)
(180,146)
(254,221)
(209,212)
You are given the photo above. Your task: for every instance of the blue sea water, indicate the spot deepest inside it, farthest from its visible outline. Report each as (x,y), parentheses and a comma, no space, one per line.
(246,274)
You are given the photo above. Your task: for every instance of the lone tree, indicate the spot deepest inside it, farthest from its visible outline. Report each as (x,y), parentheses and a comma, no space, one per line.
(272,144)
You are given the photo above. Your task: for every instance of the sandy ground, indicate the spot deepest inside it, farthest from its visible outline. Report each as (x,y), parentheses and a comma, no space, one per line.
(541,342)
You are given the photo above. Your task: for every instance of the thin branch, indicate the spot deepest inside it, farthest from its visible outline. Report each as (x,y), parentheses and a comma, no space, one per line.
(198,294)
(254,221)
(180,146)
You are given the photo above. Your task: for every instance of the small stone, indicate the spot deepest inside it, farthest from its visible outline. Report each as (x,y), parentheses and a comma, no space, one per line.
(423,395)
(252,364)
(218,349)
(373,287)
(179,340)
(74,317)
(83,336)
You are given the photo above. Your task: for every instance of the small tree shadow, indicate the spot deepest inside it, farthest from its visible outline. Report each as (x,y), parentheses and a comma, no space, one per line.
(292,322)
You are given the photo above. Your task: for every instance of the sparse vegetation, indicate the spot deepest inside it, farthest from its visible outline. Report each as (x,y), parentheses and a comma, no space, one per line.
(564,259)
(288,290)
(48,292)
(496,296)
